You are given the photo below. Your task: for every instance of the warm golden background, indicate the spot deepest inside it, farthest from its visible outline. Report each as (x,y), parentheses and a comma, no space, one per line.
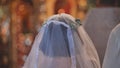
(20,21)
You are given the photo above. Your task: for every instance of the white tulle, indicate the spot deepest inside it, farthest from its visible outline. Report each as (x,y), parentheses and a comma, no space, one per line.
(112,55)
(98,23)
(57,45)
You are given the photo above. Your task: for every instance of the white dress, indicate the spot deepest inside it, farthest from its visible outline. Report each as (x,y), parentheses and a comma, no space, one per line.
(58,45)
(112,55)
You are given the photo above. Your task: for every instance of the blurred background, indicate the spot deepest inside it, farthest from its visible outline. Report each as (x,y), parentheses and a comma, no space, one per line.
(20,21)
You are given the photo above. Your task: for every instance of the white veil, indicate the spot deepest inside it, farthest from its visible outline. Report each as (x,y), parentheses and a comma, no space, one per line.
(112,55)
(98,23)
(60,46)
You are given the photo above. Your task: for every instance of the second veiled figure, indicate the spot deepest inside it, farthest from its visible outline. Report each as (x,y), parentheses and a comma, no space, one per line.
(112,55)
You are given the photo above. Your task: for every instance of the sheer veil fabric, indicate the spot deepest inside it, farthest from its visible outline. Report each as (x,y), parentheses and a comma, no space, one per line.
(98,24)
(57,45)
(112,55)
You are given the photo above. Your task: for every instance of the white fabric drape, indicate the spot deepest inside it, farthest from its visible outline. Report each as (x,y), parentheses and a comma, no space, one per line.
(112,55)
(98,24)
(59,46)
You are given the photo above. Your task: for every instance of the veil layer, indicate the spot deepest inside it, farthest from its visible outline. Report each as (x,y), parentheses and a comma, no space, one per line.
(59,46)
(98,23)
(112,55)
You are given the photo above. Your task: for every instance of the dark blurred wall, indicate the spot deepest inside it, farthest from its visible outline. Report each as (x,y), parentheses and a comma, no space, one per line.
(108,3)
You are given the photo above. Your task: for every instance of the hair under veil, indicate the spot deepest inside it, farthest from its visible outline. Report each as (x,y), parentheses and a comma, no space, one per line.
(58,45)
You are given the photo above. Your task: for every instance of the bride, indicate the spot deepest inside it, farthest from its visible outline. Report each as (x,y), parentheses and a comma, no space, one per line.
(62,43)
